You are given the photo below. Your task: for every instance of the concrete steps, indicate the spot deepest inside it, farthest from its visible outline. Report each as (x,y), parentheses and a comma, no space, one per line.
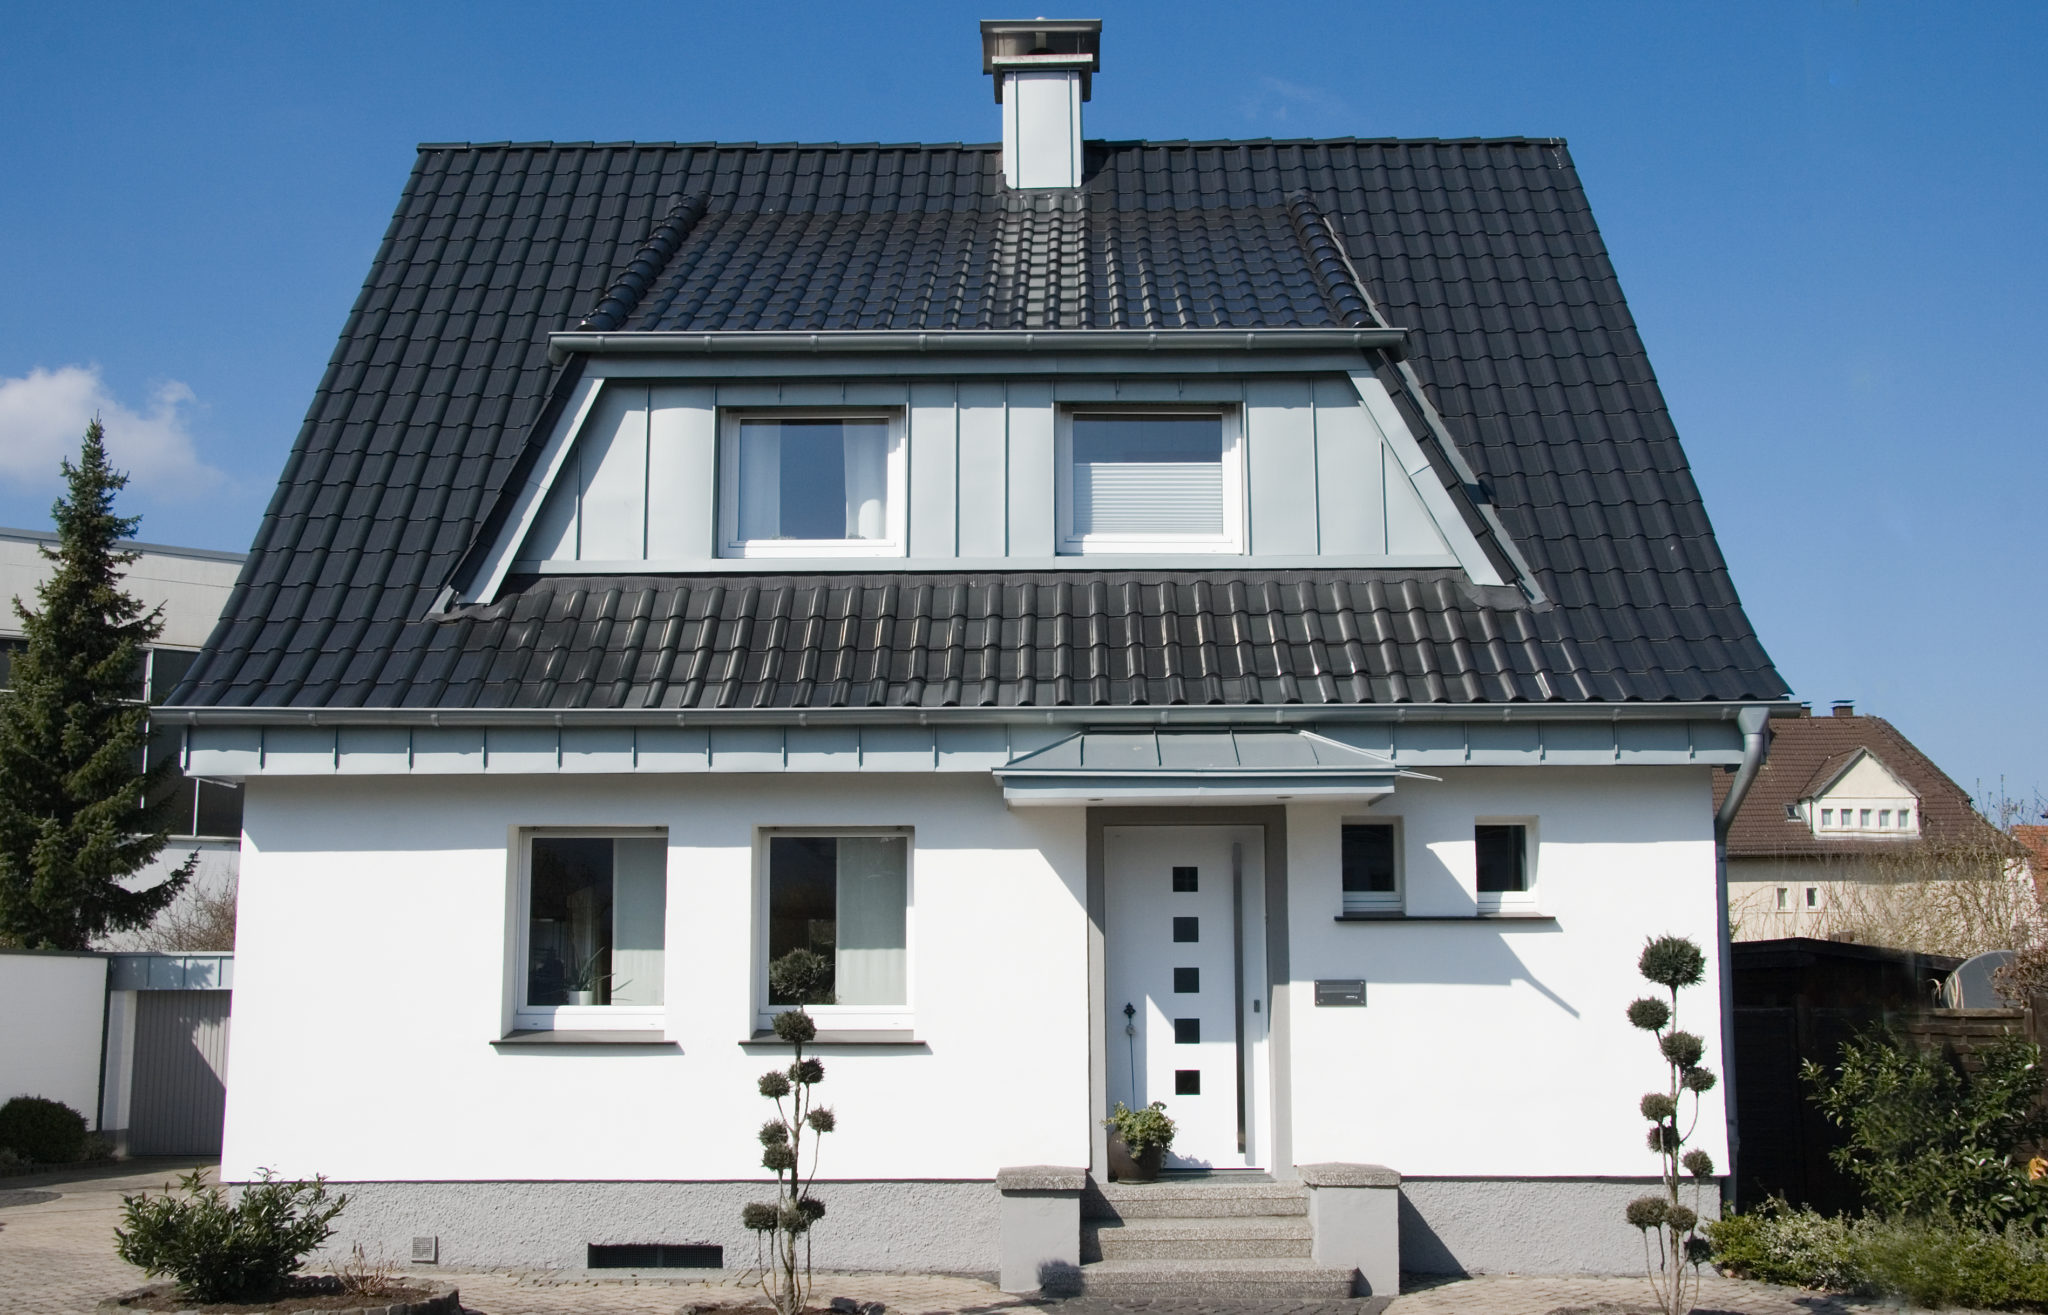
(1212,1236)
(1226,1237)
(1241,1279)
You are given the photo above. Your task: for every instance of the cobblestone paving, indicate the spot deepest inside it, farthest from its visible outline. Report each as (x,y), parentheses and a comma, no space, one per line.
(57,1258)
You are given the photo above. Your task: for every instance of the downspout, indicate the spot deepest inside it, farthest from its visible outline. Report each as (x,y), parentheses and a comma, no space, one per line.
(1754,724)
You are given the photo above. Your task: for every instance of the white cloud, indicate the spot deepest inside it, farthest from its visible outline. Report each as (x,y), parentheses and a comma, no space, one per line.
(1275,100)
(43,415)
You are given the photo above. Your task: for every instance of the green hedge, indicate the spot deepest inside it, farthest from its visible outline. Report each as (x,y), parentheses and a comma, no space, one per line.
(1930,1263)
(42,1131)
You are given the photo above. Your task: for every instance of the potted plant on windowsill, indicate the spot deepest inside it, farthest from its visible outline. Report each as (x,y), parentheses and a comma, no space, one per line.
(585,981)
(1138,1141)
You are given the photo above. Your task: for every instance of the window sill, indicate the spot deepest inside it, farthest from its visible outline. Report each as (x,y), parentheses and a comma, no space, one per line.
(567,1036)
(1511,915)
(902,1037)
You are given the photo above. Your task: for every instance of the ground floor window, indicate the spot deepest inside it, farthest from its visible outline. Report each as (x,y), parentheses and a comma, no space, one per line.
(595,907)
(1370,870)
(838,907)
(1505,878)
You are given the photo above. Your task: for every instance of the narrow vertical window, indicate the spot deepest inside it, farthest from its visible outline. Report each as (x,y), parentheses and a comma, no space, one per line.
(1503,853)
(1863,819)
(1884,819)
(1827,817)
(1813,897)
(1784,898)
(1905,819)
(1367,855)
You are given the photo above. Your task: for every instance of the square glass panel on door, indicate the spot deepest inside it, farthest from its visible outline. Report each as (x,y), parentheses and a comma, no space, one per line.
(1185,950)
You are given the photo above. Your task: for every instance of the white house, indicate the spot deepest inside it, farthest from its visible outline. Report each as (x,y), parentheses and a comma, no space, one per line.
(1221,623)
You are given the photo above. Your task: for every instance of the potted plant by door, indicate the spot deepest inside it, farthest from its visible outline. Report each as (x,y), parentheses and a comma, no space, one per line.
(1138,1141)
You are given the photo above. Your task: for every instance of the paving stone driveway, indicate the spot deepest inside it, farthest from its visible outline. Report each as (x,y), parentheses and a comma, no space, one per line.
(57,1258)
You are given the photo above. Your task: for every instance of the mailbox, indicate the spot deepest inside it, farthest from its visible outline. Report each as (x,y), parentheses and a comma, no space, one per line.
(1349,992)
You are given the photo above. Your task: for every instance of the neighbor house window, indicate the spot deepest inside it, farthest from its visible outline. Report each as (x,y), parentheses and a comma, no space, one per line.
(1905,819)
(1827,817)
(839,906)
(1371,871)
(812,485)
(1784,898)
(1165,481)
(1813,897)
(594,908)
(1502,855)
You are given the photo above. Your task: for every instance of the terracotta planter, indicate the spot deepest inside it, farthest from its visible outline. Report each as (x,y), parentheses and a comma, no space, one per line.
(1125,1167)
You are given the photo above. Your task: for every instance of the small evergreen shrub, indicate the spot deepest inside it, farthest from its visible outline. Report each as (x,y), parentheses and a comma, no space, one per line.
(1929,1263)
(44,1131)
(216,1251)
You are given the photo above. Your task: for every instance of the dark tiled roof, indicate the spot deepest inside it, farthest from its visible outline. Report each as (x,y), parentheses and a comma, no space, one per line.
(1051,639)
(1806,754)
(1486,249)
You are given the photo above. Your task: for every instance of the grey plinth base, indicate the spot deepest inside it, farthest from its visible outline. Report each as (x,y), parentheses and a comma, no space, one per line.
(1041,1228)
(1354,1218)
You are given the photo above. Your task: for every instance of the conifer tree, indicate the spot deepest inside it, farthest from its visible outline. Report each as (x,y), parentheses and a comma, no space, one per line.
(73,734)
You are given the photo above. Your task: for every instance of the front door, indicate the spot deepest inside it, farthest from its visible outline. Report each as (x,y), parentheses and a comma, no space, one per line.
(1185,951)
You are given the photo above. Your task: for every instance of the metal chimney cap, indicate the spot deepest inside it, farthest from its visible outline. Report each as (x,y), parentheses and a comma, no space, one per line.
(1017,45)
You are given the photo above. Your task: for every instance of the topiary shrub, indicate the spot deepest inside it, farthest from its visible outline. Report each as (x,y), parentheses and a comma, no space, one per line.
(215,1251)
(43,1131)
(1673,1260)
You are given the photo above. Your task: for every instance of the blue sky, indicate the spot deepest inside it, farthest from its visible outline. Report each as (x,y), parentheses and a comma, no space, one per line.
(1827,218)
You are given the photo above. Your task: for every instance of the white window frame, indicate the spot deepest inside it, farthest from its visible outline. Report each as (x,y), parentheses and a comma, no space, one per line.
(837,1018)
(1231,540)
(1374,901)
(1509,901)
(897,513)
(579,1018)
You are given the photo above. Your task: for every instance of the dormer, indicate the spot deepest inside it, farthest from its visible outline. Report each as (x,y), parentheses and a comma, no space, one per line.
(1855,796)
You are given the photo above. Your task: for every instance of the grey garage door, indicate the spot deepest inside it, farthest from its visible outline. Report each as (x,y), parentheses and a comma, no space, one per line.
(181,1071)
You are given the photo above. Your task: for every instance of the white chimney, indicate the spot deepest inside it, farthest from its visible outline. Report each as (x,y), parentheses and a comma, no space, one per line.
(1042,68)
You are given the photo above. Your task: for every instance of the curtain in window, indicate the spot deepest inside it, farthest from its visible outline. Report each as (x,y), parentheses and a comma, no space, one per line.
(760,481)
(871,966)
(639,902)
(867,479)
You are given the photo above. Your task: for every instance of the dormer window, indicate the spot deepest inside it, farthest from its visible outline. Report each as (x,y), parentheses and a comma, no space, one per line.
(812,485)
(1150,482)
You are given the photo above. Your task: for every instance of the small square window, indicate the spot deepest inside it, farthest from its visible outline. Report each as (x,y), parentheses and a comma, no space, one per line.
(595,907)
(1827,817)
(1187,1031)
(1905,819)
(1186,880)
(1187,981)
(1187,1082)
(1187,930)
(1503,856)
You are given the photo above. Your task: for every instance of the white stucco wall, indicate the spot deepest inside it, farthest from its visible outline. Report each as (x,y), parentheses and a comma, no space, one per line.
(1502,1050)
(371,979)
(50,1008)
(372,965)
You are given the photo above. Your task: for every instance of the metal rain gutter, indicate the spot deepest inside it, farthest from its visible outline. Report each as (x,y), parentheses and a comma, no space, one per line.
(1236,715)
(1754,723)
(663,343)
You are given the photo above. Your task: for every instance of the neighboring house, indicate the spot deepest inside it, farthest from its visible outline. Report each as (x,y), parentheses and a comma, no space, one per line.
(191,585)
(1844,810)
(1221,623)
(2034,839)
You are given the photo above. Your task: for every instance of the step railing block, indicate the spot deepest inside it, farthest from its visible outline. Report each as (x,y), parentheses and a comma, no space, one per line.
(1040,1225)
(1354,1219)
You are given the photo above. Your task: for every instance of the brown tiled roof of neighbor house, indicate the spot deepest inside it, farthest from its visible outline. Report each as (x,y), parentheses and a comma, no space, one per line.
(1806,754)
(2034,839)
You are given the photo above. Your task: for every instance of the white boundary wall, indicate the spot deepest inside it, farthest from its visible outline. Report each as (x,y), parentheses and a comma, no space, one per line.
(51,1006)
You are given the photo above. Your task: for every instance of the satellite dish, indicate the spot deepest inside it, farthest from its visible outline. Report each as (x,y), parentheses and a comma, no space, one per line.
(1973,984)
